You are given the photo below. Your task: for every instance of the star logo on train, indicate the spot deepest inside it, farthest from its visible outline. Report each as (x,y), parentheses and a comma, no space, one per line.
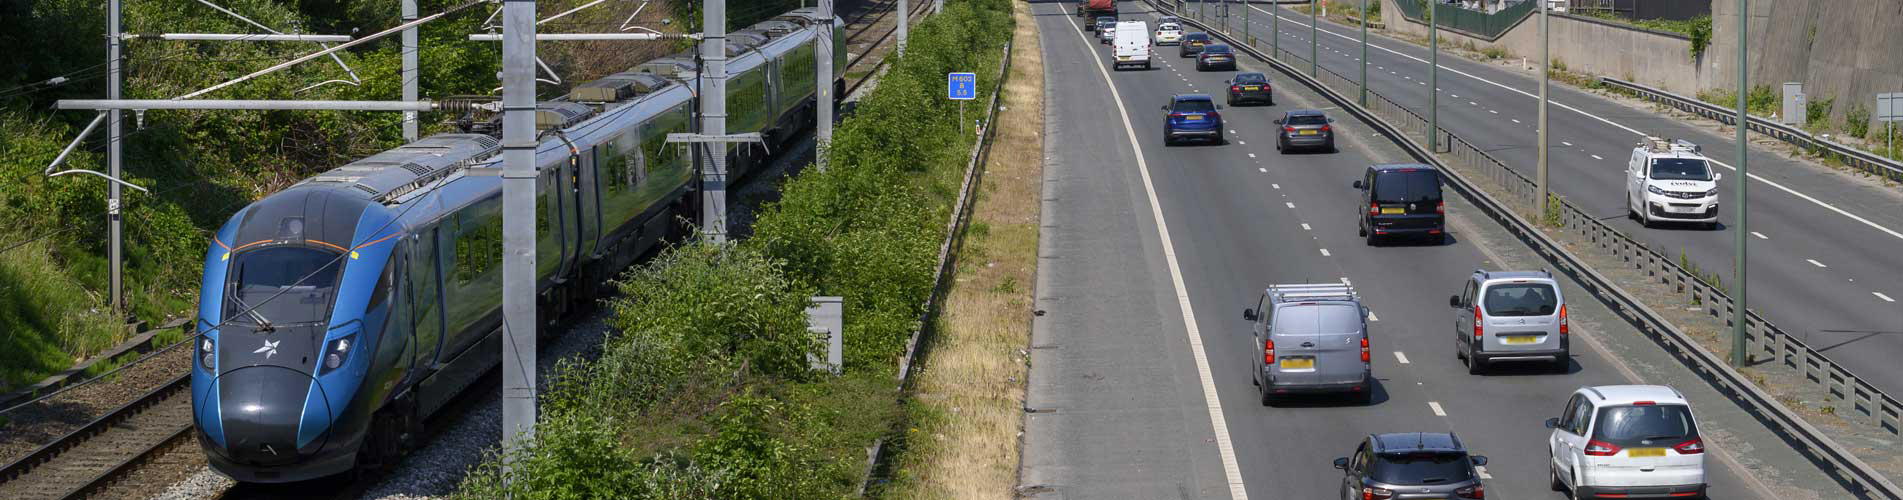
(268,349)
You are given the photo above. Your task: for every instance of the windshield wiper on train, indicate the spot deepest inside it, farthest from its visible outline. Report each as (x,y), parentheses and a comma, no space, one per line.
(264,325)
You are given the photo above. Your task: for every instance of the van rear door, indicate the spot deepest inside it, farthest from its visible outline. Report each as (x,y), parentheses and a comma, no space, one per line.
(1318,343)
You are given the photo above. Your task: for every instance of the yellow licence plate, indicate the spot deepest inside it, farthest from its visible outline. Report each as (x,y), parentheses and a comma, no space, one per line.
(1251,87)
(1298,363)
(1310,132)
(1645,452)
(1123,58)
(1392,210)
(1194,118)
(1519,339)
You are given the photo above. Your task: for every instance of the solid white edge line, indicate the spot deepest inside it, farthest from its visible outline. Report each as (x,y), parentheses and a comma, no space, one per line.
(1435,405)
(1634,131)
(1217,421)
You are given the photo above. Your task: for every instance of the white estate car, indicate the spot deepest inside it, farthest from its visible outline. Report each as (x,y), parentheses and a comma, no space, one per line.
(1627,441)
(1671,182)
(1167,34)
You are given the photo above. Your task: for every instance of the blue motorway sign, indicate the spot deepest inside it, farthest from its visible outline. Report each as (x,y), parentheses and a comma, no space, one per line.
(962,86)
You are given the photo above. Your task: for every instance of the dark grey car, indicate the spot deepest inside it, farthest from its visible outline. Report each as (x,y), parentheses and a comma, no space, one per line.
(1251,87)
(1411,465)
(1306,129)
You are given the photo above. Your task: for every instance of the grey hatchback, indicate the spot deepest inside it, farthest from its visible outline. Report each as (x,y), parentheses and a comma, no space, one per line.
(1310,339)
(1511,315)
(1305,128)
(1411,465)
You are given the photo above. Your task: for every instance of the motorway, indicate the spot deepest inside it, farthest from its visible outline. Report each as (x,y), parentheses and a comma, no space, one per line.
(1140,385)
(1823,264)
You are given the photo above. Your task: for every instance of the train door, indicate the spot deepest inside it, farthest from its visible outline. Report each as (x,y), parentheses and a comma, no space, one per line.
(589,194)
(426,298)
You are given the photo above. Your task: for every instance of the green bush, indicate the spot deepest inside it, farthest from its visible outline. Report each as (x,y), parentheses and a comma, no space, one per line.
(1817,113)
(1857,120)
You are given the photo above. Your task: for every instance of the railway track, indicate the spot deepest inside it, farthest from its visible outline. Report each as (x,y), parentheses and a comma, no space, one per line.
(107,449)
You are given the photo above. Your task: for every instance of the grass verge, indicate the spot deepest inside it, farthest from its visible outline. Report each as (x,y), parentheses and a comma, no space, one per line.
(962,442)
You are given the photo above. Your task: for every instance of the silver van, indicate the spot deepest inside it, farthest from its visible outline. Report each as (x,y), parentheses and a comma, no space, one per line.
(1310,339)
(1510,315)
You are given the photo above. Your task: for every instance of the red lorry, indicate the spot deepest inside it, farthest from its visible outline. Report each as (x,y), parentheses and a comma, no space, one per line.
(1088,9)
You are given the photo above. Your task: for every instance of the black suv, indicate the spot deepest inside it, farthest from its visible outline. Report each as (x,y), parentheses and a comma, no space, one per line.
(1411,465)
(1402,199)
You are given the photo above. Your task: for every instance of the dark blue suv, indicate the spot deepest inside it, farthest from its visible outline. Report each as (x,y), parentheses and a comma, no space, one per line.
(1192,116)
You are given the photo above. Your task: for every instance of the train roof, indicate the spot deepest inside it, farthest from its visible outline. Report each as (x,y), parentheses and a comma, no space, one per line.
(393,173)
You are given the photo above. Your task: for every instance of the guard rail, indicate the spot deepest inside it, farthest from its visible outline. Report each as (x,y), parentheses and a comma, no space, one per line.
(1403,126)
(1857,158)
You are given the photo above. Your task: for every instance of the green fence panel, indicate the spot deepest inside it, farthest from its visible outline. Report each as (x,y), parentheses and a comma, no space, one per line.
(1477,23)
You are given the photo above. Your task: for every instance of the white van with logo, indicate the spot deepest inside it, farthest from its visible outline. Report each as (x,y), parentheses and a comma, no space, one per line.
(1132,44)
(1671,182)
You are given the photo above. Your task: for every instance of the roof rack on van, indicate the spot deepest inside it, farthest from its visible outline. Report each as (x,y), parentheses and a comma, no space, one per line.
(1656,144)
(1326,291)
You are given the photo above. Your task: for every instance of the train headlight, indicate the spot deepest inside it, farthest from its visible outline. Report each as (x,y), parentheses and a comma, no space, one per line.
(206,347)
(338,351)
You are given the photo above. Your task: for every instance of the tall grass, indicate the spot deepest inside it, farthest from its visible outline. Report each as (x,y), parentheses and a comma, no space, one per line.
(45,316)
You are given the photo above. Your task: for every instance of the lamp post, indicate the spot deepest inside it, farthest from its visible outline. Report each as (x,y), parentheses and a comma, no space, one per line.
(1545,76)
(1364,53)
(1738,355)
(1433,77)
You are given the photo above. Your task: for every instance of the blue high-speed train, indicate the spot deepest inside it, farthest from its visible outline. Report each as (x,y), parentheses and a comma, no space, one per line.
(337,314)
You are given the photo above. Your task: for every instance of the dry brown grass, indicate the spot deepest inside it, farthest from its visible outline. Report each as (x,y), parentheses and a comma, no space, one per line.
(970,390)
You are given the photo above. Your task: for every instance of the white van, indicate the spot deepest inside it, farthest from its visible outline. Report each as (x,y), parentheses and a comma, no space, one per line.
(1132,44)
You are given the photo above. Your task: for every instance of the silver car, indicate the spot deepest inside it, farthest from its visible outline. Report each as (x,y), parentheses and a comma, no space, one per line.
(1510,315)
(1310,339)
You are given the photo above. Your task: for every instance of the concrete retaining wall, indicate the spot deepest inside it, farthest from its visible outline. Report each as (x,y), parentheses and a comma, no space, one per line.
(1849,50)
(1585,45)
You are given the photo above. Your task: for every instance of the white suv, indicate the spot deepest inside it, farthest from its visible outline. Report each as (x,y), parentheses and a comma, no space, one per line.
(1627,441)
(1671,182)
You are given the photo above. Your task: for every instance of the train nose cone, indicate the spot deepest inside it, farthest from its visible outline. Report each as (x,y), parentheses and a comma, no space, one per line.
(262,408)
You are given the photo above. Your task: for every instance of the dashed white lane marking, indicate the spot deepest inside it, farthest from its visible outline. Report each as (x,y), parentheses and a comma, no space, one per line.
(1760,236)
(1456,96)
(1290,204)
(1471,103)
(1219,423)
(1263,170)
(1372,317)
(1277,186)
(1885,298)
(1432,405)
(1325,253)
(1516,120)
(1400,357)
(1566,143)
(1814,262)
(1241,142)
(1252,155)
(1305,227)
(1596,157)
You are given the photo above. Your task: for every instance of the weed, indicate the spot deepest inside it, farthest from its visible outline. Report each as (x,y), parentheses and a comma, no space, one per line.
(1857,120)
(1494,52)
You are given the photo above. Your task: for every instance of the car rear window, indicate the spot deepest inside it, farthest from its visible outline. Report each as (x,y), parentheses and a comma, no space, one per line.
(1167,27)
(1405,186)
(1318,319)
(1197,36)
(1306,120)
(1521,299)
(1663,425)
(1194,106)
(1216,49)
(1421,468)
(1251,78)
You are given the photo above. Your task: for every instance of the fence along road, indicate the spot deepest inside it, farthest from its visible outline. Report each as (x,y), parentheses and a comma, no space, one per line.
(1841,304)
(1116,404)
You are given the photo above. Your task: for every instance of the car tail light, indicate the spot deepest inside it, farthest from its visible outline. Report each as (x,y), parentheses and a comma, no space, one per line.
(1562,320)
(1288,129)
(1324,128)
(1176,115)
(1597,448)
(1480,327)
(1693,446)
(1268,351)
(1235,88)
(1476,491)
(1374,208)
(1364,349)
(1371,493)
(1440,207)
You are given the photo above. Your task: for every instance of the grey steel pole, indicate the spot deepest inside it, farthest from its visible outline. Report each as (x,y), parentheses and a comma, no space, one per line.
(824,127)
(518,223)
(904,15)
(1245,24)
(1275,29)
(713,121)
(115,135)
(1433,77)
(1364,53)
(409,70)
(1738,355)
(1314,42)
(1545,78)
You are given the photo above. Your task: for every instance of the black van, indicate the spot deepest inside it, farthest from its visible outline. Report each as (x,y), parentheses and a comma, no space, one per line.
(1401,199)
